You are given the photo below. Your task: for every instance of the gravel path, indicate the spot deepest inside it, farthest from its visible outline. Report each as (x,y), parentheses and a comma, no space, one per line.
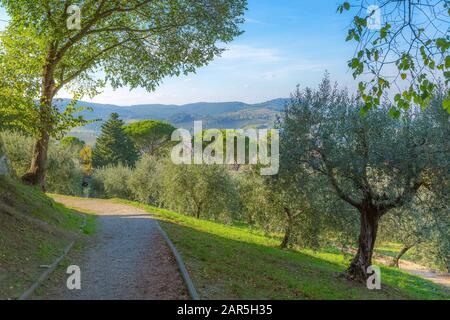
(129,258)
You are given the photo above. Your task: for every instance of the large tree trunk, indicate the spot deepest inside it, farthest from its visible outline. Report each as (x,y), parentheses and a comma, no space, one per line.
(288,231)
(400,254)
(36,174)
(38,168)
(368,234)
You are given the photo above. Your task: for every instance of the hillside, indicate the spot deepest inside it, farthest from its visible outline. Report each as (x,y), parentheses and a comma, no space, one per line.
(34,230)
(222,115)
(235,262)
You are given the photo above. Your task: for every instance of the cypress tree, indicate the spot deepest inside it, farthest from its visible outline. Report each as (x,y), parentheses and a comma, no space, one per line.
(114,146)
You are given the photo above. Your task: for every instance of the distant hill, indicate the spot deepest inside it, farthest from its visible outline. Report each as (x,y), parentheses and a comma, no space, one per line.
(223,115)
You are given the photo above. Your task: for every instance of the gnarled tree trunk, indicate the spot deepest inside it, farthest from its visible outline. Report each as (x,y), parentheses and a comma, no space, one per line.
(36,174)
(288,231)
(368,234)
(400,255)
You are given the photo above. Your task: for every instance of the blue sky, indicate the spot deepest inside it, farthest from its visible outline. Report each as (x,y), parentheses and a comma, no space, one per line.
(286,42)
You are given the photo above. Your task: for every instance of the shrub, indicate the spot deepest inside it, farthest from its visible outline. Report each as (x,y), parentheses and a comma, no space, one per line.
(204,191)
(18,147)
(64,174)
(145,182)
(112,182)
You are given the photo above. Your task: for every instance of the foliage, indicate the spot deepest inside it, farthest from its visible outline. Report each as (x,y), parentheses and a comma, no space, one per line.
(86,160)
(149,135)
(18,147)
(406,54)
(113,146)
(146,180)
(73,142)
(373,163)
(280,205)
(65,174)
(111,182)
(64,171)
(423,224)
(134,43)
(200,190)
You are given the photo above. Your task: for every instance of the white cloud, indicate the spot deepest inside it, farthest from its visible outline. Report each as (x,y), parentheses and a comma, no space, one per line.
(292,69)
(251,54)
(255,21)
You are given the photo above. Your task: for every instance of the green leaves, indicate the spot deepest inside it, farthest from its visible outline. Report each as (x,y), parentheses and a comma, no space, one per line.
(442,44)
(149,135)
(407,55)
(114,146)
(384,31)
(136,47)
(357,66)
(394,113)
(446,105)
(343,6)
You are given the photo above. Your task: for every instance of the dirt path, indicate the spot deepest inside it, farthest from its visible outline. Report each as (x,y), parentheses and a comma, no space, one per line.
(129,258)
(441,278)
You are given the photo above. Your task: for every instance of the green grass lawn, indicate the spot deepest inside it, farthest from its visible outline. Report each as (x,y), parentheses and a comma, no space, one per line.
(34,230)
(233,262)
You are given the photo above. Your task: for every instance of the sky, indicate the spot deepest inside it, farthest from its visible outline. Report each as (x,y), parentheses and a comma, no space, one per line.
(285,43)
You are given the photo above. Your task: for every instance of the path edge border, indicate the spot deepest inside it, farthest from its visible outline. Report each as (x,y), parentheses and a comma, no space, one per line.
(51,268)
(184,273)
(46,273)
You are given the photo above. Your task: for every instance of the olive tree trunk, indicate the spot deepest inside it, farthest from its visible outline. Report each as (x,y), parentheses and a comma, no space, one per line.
(400,255)
(368,234)
(288,231)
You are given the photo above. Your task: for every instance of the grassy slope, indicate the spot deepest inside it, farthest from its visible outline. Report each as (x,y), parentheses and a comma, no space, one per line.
(34,230)
(228,262)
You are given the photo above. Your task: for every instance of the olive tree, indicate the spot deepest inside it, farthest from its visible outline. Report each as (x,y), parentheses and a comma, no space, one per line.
(133,43)
(146,181)
(204,191)
(373,163)
(412,226)
(279,205)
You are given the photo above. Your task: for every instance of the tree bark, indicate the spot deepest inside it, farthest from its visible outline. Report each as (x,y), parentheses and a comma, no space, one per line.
(288,231)
(199,210)
(399,255)
(368,233)
(36,174)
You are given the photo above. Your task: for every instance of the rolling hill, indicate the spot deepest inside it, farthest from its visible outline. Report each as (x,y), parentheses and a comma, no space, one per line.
(223,115)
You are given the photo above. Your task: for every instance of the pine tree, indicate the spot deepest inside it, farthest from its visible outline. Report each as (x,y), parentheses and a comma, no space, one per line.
(114,146)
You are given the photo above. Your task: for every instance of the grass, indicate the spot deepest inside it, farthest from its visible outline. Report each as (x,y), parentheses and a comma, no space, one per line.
(34,230)
(233,262)
(392,249)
